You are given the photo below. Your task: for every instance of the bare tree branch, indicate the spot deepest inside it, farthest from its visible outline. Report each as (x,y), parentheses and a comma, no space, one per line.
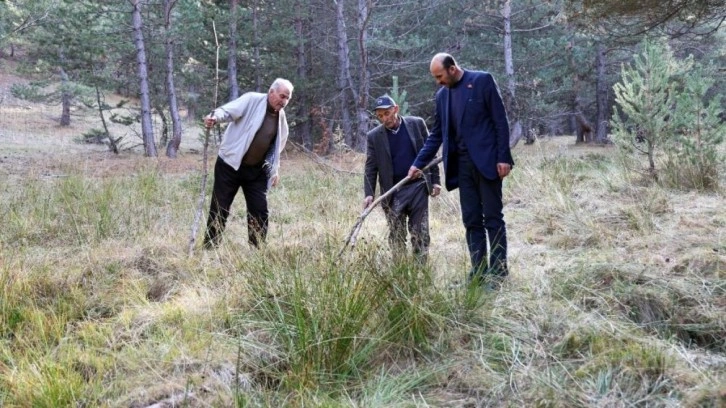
(205,154)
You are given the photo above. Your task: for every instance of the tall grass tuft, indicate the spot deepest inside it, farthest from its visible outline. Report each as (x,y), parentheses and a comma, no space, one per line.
(417,310)
(326,316)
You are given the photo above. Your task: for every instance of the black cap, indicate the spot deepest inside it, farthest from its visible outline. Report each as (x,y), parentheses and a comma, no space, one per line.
(384,102)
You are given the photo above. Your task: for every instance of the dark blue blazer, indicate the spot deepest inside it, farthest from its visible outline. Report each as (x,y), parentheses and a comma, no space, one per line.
(483,125)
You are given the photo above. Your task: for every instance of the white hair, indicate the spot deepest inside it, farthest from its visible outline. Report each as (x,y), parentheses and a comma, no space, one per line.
(281,82)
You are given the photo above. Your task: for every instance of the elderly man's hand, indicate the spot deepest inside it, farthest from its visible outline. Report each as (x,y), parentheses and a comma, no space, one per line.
(414,173)
(367,201)
(209,121)
(435,190)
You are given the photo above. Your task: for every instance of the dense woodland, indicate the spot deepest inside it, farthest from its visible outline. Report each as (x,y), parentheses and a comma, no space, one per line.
(555,61)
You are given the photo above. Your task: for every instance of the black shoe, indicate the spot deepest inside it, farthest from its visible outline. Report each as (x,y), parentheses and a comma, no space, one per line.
(209,244)
(492,285)
(488,281)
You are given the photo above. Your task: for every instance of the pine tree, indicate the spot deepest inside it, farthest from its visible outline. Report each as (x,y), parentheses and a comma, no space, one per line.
(695,160)
(646,97)
(399,96)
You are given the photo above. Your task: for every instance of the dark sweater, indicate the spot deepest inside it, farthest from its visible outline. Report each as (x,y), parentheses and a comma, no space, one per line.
(402,154)
(457,104)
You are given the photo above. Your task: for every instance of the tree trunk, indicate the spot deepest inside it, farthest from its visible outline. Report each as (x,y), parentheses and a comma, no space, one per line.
(113,143)
(147,131)
(164,134)
(580,124)
(232,51)
(192,103)
(364,13)
(510,102)
(583,127)
(508,59)
(303,130)
(601,135)
(256,45)
(65,119)
(173,147)
(344,81)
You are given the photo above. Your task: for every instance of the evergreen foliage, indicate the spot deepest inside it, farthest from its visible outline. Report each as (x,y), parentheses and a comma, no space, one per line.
(664,116)
(695,161)
(645,97)
(48,92)
(554,58)
(399,96)
(678,17)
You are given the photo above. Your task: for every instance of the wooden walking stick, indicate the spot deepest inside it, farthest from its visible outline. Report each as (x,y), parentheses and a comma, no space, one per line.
(356,228)
(205,171)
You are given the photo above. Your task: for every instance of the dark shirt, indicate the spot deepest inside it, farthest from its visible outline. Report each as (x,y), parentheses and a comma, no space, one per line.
(457,104)
(263,140)
(402,152)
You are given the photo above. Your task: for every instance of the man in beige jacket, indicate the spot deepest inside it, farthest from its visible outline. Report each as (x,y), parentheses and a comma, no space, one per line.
(249,158)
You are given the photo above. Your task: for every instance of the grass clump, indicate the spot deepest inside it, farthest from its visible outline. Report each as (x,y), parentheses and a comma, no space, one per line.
(330,320)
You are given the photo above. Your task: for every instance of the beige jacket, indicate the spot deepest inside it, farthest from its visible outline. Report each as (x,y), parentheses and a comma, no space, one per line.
(246,114)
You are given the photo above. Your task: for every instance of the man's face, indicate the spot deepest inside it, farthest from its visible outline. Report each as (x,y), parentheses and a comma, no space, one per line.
(279,98)
(442,76)
(388,116)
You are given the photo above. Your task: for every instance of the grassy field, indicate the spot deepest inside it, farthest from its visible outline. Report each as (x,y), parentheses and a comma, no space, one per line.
(616,296)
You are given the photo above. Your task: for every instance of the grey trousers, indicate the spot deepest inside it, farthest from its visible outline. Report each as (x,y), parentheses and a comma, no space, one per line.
(409,207)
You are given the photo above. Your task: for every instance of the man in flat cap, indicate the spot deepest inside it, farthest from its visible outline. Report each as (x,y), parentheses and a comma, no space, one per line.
(392,148)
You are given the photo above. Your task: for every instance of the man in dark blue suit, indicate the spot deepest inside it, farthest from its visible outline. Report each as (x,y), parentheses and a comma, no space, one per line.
(472,124)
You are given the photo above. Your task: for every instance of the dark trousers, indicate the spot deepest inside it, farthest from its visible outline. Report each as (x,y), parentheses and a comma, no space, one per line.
(253,182)
(410,203)
(481,210)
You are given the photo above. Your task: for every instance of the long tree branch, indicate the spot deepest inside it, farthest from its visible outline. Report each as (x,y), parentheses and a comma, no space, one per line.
(350,241)
(205,170)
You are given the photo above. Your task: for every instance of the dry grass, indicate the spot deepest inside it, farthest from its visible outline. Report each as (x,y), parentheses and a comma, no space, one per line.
(616,298)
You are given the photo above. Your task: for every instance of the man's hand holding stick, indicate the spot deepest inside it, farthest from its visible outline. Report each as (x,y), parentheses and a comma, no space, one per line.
(356,228)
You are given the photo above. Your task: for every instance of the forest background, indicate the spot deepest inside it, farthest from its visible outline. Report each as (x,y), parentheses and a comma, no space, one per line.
(556,61)
(617,294)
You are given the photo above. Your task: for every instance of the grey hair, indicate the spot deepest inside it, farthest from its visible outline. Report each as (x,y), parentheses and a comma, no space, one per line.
(281,82)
